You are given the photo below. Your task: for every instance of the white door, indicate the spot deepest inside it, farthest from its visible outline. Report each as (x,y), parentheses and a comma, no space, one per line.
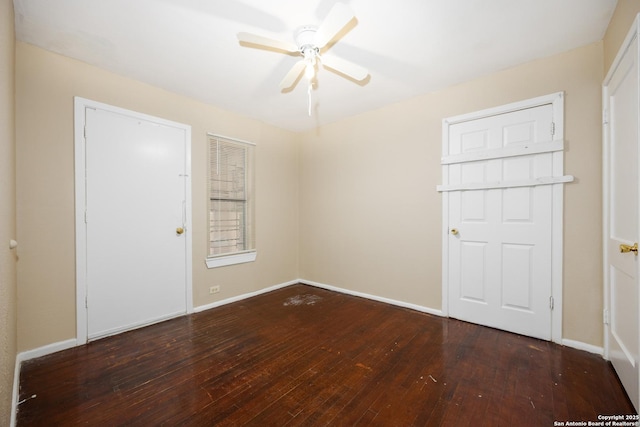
(500,220)
(621,220)
(135,221)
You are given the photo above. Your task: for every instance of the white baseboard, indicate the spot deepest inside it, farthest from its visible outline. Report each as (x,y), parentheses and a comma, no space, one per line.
(15,395)
(63,345)
(243,296)
(323,286)
(583,346)
(32,354)
(566,342)
(403,304)
(47,349)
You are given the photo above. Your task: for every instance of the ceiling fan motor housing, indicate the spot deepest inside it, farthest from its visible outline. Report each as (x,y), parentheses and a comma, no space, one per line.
(305,37)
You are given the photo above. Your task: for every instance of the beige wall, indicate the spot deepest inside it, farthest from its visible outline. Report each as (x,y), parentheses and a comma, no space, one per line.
(625,13)
(7,211)
(361,192)
(370,217)
(45,86)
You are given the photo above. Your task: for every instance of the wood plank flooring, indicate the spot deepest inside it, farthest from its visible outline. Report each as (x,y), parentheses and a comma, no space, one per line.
(303,356)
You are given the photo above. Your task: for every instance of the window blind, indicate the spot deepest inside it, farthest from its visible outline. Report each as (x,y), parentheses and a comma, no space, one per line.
(230,196)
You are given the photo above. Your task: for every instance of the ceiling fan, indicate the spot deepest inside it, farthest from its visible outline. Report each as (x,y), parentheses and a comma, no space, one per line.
(310,43)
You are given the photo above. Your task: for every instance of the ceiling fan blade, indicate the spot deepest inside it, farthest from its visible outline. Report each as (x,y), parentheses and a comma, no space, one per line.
(338,18)
(292,76)
(345,67)
(267,42)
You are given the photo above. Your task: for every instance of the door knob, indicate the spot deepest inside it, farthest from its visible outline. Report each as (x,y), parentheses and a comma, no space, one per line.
(179,230)
(454,231)
(626,248)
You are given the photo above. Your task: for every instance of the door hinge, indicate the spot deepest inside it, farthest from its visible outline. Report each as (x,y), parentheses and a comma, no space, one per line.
(605,116)
(86,219)
(605,316)
(86,302)
(553,128)
(551,303)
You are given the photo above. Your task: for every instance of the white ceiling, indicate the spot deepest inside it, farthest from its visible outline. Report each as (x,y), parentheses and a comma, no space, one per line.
(410,47)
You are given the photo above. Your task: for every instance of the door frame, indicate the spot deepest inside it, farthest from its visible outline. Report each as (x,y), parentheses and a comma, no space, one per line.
(80,106)
(634,32)
(557,101)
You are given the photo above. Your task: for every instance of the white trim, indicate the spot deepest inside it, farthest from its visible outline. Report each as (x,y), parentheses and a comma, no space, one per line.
(508,108)
(64,345)
(634,32)
(188,213)
(81,232)
(15,395)
(80,106)
(221,261)
(557,224)
(445,223)
(501,153)
(403,304)
(28,355)
(557,101)
(46,350)
(244,296)
(579,345)
(547,180)
(605,215)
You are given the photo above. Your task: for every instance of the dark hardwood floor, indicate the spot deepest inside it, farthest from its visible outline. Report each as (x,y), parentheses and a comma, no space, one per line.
(307,356)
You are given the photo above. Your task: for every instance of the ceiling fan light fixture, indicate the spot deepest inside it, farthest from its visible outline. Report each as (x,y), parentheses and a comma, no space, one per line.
(309,71)
(310,54)
(310,40)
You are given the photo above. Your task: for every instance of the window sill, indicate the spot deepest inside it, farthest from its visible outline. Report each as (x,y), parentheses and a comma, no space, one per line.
(225,260)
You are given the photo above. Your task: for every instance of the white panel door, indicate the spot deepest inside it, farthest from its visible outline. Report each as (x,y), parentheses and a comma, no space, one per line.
(621,227)
(135,204)
(500,239)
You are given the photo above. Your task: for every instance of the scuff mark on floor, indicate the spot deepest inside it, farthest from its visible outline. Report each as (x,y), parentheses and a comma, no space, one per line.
(305,299)
(360,365)
(208,394)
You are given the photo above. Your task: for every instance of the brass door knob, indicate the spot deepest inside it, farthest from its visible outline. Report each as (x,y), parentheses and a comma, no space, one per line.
(626,248)
(454,231)
(179,230)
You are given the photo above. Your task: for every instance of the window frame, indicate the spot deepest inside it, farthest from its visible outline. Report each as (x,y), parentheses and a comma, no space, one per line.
(246,255)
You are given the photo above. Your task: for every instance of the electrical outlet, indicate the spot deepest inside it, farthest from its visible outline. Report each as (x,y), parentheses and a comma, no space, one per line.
(214,289)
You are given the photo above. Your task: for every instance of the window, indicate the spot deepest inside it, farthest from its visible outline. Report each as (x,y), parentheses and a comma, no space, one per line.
(231,200)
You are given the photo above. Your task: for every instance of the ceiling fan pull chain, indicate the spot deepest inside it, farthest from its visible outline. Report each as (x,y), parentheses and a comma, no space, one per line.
(309,97)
